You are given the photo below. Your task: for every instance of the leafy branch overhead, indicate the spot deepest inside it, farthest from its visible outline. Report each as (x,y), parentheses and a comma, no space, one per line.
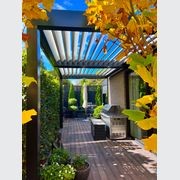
(131,21)
(147,70)
(134,23)
(34,10)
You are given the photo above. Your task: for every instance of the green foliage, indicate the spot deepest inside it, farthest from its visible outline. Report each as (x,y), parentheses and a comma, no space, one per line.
(142,88)
(50,86)
(97,111)
(66,82)
(134,115)
(140,60)
(81,96)
(72,101)
(73,108)
(91,82)
(60,156)
(24,61)
(56,171)
(98,96)
(71,92)
(79,161)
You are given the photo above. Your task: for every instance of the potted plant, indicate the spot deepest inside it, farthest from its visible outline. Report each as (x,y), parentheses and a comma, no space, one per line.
(72,103)
(58,172)
(82,166)
(60,156)
(97,112)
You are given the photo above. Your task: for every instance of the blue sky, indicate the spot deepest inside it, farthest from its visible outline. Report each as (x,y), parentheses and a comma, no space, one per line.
(78,5)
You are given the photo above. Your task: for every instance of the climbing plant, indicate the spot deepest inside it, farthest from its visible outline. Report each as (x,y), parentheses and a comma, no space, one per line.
(134,23)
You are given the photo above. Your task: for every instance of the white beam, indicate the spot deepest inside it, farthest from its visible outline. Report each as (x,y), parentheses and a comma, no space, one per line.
(60,44)
(52,44)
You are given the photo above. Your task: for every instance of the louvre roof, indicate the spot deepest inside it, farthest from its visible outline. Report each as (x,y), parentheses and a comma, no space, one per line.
(78,50)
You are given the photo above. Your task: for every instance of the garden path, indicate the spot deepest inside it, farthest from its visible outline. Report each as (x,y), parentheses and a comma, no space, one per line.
(110,160)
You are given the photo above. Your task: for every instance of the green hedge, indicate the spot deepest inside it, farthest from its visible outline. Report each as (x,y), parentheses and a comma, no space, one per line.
(50,91)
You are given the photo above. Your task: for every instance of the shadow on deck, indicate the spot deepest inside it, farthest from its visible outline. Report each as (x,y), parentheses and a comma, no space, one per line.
(110,160)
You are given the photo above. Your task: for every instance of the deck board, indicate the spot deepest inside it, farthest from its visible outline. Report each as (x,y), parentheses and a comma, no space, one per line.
(110,160)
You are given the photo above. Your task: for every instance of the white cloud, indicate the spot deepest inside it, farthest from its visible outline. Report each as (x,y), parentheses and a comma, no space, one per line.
(58,7)
(67,3)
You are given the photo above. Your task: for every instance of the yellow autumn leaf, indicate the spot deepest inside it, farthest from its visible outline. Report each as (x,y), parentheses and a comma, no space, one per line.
(150,143)
(122,37)
(28,80)
(42,15)
(109,9)
(132,25)
(145,75)
(148,123)
(144,100)
(28,24)
(112,30)
(154,71)
(48,4)
(153,112)
(26,115)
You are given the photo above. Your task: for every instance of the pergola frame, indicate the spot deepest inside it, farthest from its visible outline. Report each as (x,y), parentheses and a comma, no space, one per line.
(58,20)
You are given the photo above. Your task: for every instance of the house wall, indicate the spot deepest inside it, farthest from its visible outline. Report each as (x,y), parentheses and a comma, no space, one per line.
(116,90)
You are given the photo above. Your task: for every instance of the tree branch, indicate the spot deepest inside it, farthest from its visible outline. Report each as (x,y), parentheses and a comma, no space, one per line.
(138,22)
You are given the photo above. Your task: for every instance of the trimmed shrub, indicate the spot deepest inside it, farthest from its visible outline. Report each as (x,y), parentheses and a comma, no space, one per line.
(71,93)
(97,112)
(72,104)
(81,96)
(72,101)
(98,96)
(73,108)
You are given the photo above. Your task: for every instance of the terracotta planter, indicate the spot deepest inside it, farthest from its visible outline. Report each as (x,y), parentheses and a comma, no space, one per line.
(83,173)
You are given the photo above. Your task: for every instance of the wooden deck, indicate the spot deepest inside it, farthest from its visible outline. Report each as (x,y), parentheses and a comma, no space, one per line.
(110,160)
